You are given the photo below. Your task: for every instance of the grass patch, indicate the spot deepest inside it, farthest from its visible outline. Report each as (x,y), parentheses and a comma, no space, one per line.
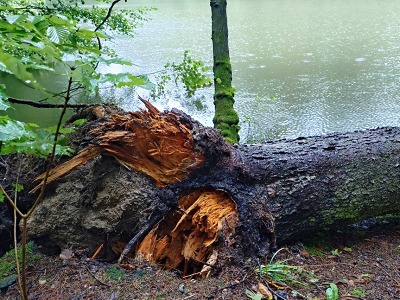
(357,292)
(8,264)
(281,274)
(314,251)
(114,273)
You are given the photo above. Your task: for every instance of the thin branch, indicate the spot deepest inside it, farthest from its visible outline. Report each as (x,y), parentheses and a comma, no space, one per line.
(95,277)
(145,229)
(59,94)
(10,200)
(52,155)
(23,288)
(15,229)
(45,105)
(108,15)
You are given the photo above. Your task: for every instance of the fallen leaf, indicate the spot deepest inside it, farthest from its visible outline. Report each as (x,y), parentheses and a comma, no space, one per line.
(263,290)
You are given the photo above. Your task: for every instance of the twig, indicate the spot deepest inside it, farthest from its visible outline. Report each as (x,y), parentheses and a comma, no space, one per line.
(53,151)
(94,276)
(15,227)
(97,251)
(108,15)
(45,105)
(146,228)
(10,201)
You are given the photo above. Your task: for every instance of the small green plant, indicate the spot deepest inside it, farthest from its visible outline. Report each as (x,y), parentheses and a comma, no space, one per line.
(332,293)
(336,252)
(283,273)
(190,73)
(7,261)
(286,275)
(314,251)
(253,296)
(114,273)
(357,292)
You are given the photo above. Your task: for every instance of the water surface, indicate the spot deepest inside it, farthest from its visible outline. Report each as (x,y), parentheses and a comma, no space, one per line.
(330,65)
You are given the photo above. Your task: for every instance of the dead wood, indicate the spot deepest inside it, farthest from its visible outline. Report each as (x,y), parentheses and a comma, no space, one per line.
(157,144)
(214,197)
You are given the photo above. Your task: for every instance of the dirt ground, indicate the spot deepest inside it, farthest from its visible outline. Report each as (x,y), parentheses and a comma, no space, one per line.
(362,261)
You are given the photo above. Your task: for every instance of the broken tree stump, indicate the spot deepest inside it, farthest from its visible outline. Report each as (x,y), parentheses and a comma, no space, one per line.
(209,195)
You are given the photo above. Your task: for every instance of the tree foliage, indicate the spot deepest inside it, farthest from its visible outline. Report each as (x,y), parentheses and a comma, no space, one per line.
(62,39)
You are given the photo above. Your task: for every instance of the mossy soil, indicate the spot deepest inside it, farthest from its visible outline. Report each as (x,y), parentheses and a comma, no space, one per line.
(361,261)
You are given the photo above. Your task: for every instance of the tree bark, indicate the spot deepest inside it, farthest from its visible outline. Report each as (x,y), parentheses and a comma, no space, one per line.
(285,189)
(226,118)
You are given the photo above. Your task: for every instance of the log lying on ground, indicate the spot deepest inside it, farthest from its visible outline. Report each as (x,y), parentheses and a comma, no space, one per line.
(285,189)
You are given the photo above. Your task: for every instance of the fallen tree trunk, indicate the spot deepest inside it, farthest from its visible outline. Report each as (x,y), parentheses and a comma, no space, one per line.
(284,189)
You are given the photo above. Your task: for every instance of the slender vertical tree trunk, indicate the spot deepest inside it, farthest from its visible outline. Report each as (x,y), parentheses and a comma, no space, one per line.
(226,118)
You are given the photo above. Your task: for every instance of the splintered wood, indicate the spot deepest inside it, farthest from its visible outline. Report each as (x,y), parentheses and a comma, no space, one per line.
(185,238)
(157,144)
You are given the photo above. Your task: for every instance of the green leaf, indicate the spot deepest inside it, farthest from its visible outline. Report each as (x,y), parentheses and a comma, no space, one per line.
(89,34)
(17,186)
(1,197)
(62,130)
(12,130)
(79,122)
(4,104)
(147,84)
(37,148)
(57,34)
(61,20)
(115,60)
(15,67)
(253,296)
(332,293)
(12,19)
(122,79)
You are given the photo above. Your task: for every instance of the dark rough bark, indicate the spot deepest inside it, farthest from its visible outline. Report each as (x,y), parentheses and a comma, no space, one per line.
(306,184)
(226,118)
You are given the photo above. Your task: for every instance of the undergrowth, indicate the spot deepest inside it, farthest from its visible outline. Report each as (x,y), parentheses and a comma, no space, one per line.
(7,261)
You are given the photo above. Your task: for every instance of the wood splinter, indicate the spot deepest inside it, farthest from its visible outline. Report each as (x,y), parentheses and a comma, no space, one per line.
(158,144)
(183,239)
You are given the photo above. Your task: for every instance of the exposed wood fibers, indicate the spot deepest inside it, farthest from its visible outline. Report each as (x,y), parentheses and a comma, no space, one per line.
(186,237)
(157,144)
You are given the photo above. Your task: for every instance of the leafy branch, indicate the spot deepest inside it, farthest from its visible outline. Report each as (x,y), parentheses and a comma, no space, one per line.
(190,72)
